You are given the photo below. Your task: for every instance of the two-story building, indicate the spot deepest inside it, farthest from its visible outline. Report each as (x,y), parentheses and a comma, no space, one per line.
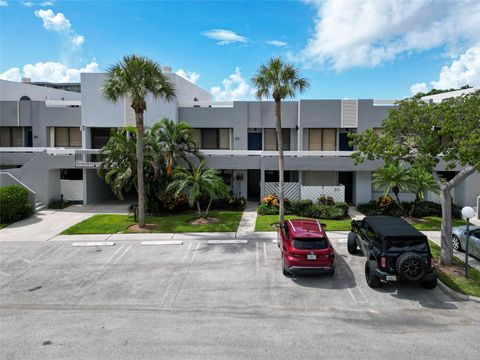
(48,137)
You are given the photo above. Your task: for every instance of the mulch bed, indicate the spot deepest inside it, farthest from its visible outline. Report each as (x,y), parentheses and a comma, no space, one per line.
(148,228)
(204,221)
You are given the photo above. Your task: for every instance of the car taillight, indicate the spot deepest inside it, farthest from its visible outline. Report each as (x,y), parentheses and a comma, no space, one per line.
(383,262)
(332,254)
(431,263)
(298,256)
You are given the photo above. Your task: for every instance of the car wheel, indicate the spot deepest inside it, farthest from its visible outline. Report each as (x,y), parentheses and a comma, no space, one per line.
(352,244)
(284,271)
(456,243)
(372,279)
(411,266)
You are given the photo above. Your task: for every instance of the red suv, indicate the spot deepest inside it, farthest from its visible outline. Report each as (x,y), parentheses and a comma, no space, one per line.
(305,248)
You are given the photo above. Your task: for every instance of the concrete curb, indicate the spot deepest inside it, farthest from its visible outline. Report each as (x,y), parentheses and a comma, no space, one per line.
(456,294)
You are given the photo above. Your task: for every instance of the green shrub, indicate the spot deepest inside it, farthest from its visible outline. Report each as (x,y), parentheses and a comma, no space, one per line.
(14,204)
(344,206)
(429,208)
(297,207)
(374,208)
(325,200)
(266,209)
(230,203)
(325,212)
(56,204)
(418,210)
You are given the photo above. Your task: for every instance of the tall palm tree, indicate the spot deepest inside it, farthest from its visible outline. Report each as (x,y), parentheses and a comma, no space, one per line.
(133,78)
(392,177)
(198,182)
(279,80)
(177,141)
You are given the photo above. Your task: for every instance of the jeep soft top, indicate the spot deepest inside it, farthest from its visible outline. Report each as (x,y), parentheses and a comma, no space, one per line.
(389,228)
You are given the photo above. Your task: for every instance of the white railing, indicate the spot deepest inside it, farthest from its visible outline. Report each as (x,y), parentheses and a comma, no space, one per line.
(87,158)
(48,150)
(72,190)
(296,191)
(275,153)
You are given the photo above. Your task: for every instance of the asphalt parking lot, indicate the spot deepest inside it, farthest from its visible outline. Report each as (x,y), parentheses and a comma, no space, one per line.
(214,301)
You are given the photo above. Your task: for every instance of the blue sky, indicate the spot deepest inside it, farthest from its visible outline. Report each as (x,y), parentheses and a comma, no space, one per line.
(347,49)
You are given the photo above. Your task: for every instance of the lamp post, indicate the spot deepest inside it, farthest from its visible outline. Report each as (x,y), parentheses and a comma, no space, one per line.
(467,213)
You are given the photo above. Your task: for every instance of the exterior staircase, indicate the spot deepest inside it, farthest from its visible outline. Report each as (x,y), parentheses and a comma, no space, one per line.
(39,206)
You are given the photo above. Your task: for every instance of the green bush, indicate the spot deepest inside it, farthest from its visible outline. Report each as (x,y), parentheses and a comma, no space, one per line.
(418,210)
(325,200)
(14,204)
(344,206)
(56,204)
(374,208)
(230,203)
(266,209)
(429,208)
(297,207)
(326,212)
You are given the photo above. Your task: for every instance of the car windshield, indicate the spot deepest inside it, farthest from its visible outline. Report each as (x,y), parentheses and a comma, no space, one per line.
(310,243)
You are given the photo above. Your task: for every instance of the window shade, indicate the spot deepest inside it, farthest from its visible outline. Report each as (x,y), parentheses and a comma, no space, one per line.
(61,137)
(224,139)
(329,139)
(75,137)
(197,135)
(5,137)
(315,139)
(270,140)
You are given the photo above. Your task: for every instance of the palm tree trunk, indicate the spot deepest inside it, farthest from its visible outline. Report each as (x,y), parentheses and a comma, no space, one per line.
(140,185)
(281,194)
(198,209)
(208,208)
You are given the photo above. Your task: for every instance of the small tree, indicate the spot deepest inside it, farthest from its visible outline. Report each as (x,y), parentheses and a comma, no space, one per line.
(425,136)
(199,182)
(279,80)
(421,181)
(392,177)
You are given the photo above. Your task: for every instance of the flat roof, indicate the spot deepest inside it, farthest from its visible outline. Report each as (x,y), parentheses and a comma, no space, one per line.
(393,228)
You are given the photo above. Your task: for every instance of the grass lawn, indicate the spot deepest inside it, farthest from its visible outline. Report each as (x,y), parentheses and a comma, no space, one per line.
(264,222)
(110,224)
(432,223)
(453,276)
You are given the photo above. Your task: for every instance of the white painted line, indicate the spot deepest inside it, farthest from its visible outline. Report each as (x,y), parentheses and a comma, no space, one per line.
(195,251)
(186,252)
(257,257)
(19,258)
(172,242)
(121,255)
(341,241)
(275,241)
(94,243)
(265,251)
(355,298)
(111,257)
(59,248)
(217,242)
(45,252)
(4,273)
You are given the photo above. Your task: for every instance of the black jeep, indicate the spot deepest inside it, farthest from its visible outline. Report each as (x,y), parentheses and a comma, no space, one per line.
(394,249)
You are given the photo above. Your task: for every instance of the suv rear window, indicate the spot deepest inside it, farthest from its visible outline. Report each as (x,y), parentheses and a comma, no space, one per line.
(310,244)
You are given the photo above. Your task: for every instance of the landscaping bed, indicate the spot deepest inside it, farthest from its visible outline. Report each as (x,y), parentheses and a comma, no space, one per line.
(453,276)
(112,224)
(265,223)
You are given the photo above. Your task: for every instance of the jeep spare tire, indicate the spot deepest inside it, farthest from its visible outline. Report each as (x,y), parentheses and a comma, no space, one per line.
(411,266)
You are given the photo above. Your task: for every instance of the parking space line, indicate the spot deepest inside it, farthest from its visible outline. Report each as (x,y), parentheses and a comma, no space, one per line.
(265,251)
(195,251)
(4,273)
(257,257)
(44,253)
(121,255)
(187,251)
(58,249)
(164,242)
(19,258)
(217,242)
(111,257)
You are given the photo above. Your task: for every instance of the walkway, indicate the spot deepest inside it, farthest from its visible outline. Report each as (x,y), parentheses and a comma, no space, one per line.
(249,217)
(355,214)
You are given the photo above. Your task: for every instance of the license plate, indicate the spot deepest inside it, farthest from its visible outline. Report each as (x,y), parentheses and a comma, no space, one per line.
(391,278)
(312,257)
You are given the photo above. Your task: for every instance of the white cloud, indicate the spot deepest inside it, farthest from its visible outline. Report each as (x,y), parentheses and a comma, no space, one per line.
(225,36)
(12,74)
(418,88)
(60,24)
(3,3)
(277,43)
(31,3)
(235,87)
(49,71)
(28,3)
(191,76)
(463,71)
(367,33)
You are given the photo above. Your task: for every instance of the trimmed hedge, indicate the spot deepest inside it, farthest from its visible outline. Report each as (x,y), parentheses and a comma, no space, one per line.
(14,204)
(307,208)
(418,210)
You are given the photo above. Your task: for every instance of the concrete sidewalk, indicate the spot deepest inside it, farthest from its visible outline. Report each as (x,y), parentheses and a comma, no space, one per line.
(248,220)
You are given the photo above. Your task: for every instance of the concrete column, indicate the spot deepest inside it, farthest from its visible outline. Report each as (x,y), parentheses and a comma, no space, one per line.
(362,188)
(262,182)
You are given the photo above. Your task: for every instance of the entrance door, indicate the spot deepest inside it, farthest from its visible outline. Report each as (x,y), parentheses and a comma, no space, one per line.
(253,185)
(254,141)
(28,137)
(343,142)
(346,178)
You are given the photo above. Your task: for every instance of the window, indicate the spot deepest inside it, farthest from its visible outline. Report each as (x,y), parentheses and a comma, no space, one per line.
(226,175)
(11,137)
(322,139)
(212,138)
(68,137)
(100,137)
(289,176)
(379,131)
(271,139)
(310,244)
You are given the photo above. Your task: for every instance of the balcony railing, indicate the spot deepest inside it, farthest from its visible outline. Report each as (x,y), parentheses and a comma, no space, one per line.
(87,158)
